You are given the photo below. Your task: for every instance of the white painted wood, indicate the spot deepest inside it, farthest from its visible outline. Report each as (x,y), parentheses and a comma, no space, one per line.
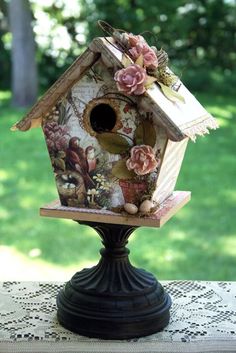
(169,170)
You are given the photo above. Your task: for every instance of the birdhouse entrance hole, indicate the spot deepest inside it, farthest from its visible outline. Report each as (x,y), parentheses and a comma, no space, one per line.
(102,118)
(101,115)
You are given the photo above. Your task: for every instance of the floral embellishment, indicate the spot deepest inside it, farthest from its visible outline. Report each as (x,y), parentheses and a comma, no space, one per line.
(135,40)
(142,160)
(131,80)
(150,60)
(138,154)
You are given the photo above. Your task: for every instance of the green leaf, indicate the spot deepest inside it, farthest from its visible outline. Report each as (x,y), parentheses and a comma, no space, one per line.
(58,162)
(121,171)
(145,134)
(138,135)
(113,143)
(170,93)
(62,113)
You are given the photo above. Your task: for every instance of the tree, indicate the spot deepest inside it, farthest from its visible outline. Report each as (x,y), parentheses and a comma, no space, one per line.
(5,54)
(198,35)
(24,70)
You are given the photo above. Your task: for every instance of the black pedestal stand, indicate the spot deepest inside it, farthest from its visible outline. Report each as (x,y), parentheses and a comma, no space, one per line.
(113,300)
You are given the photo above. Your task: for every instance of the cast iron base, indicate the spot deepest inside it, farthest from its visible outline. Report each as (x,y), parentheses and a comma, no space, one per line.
(113,300)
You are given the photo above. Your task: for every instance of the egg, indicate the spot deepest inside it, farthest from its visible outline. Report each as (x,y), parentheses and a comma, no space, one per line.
(64,177)
(130,208)
(146,206)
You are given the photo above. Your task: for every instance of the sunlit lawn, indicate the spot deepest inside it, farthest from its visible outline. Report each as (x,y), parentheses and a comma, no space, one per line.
(198,243)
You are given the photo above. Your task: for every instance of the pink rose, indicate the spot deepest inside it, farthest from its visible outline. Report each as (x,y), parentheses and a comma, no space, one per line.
(134,40)
(142,160)
(131,80)
(149,56)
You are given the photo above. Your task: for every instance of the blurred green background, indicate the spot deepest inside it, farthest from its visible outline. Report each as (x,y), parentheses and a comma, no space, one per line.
(200,241)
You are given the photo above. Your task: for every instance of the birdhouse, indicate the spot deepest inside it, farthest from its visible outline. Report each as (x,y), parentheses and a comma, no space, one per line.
(117,124)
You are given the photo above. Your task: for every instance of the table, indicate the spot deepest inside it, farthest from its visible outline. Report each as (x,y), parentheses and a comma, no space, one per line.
(203,319)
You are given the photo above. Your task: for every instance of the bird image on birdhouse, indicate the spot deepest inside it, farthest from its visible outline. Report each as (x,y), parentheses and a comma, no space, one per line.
(117,124)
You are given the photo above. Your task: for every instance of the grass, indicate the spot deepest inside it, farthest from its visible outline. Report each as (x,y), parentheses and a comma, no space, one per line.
(198,243)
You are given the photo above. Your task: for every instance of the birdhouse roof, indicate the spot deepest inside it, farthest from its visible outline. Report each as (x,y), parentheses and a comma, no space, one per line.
(181,119)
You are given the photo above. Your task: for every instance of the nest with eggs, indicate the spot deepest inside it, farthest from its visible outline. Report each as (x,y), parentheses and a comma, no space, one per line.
(70,185)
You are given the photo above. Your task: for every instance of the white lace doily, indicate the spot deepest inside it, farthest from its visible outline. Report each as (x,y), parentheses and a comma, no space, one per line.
(203,319)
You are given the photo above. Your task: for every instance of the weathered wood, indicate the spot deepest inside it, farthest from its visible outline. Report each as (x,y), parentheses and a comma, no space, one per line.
(166,210)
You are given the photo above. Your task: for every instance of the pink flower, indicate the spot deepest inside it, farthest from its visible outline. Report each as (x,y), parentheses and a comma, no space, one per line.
(50,144)
(61,144)
(149,56)
(57,136)
(134,40)
(142,160)
(131,80)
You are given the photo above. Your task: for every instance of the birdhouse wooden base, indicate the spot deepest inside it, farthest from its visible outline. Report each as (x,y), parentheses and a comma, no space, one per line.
(114,300)
(166,210)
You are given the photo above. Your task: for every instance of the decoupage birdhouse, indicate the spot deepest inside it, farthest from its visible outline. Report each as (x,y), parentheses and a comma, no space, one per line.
(117,124)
